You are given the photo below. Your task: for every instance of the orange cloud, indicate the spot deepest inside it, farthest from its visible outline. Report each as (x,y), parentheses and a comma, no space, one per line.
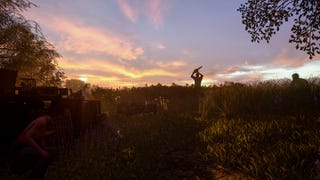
(107,74)
(171,64)
(116,70)
(157,72)
(69,63)
(78,38)
(99,80)
(85,39)
(95,65)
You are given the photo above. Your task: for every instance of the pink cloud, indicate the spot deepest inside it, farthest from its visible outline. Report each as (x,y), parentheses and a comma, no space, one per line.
(157,10)
(232,69)
(76,37)
(82,39)
(154,10)
(161,46)
(128,10)
(286,58)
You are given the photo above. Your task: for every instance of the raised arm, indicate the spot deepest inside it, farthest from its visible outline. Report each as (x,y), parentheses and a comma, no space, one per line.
(200,75)
(193,74)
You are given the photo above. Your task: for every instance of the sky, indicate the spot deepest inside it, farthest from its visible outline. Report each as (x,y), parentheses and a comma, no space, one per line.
(126,43)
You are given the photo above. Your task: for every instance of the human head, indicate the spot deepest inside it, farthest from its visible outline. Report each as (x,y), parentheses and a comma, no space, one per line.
(56,109)
(295,76)
(35,108)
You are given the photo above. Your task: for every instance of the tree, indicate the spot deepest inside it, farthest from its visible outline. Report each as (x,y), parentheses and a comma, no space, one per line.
(24,48)
(262,19)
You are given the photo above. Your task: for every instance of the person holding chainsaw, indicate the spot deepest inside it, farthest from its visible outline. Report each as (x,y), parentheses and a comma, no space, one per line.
(197,77)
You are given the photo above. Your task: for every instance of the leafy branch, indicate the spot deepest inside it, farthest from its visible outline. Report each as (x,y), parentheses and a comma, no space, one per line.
(262,19)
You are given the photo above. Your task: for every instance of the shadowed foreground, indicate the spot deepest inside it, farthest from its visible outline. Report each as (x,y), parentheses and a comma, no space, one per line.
(207,136)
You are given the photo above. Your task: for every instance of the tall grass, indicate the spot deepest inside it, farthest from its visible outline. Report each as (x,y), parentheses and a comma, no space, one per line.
(157,146)
(273,149)
(260,100)
(262,130)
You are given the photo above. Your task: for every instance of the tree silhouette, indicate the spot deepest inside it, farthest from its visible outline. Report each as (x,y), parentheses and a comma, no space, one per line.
(24,48)
(262,19)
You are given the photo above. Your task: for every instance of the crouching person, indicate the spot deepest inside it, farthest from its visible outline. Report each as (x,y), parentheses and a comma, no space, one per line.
(29,152)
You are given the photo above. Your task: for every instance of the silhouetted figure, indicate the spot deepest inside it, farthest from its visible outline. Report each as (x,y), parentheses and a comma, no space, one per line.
(197,77)
(298,82)
(28,152)
(301,96)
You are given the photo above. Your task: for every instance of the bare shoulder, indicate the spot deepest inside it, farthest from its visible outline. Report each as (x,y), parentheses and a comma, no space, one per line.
(42,120)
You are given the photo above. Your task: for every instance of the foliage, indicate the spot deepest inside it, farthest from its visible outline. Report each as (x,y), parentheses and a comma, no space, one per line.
(24,48)
(262,19)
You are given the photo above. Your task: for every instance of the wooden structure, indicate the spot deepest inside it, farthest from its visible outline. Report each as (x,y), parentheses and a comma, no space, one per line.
(18,107)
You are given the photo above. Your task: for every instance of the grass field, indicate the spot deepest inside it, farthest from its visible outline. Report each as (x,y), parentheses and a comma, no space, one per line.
(257,131)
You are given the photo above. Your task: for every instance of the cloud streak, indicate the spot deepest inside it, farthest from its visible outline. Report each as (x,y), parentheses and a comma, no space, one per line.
(82,39)
(154,10)
(171,64)
(76,37)
(112,72)
(127,10)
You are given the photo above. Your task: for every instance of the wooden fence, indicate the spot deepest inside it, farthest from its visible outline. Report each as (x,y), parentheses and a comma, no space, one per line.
(78,116)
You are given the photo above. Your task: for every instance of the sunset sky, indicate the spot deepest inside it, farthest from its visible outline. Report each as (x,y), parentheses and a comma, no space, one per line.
(116,43)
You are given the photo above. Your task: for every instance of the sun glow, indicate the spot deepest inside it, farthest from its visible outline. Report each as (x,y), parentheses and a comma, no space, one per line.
(83,78)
